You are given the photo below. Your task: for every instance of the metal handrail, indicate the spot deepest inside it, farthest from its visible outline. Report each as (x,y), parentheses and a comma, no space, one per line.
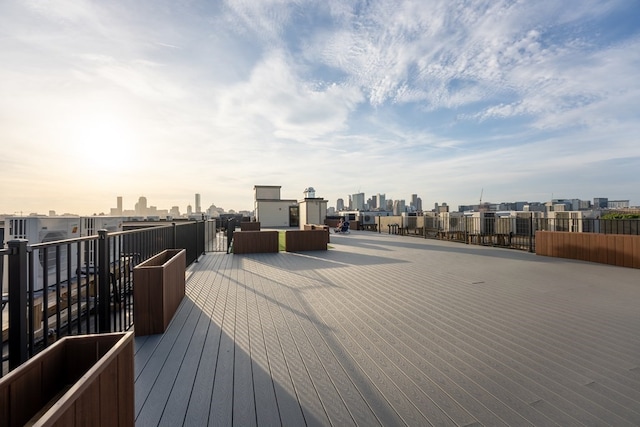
(80,285)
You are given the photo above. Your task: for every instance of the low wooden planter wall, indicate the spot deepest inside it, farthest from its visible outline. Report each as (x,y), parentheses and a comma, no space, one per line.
(319,227)
(249,226)
(306,240)
(84,380)
(333,223)
(250,242)
(158,289)
(615,249)
(353,225)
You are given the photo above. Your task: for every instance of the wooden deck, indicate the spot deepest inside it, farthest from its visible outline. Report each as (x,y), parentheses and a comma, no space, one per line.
(390,330)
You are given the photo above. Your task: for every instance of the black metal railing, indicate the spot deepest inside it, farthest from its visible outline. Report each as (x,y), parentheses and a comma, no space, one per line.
(516,232)
(82,285)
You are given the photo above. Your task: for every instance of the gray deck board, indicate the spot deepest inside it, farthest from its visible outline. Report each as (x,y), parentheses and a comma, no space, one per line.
(390,330)
(263,386)
(178,400)
(200,402)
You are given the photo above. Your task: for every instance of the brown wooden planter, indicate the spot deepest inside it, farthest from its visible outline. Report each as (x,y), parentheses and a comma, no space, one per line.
(84,380)
(250,242)
(615,249)
(306,240)
(319,227)
(158,289)
(249,226)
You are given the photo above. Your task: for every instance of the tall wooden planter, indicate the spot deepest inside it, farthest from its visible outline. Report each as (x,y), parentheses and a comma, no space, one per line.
(251,242)
(158,289)
(249,226)
(306,240)
(84,380)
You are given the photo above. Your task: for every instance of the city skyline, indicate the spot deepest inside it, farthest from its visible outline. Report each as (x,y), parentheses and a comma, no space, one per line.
(517,100)
(143,207)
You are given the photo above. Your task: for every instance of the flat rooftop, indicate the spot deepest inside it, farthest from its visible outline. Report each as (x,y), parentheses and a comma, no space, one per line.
(390,330)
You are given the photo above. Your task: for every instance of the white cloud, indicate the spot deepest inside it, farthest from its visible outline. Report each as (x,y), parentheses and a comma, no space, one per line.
(287,107)
(381,96)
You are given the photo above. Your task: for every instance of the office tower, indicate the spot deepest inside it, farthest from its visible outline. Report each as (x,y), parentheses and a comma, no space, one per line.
(198,207)
(141,206)
(340,205)
(119,206)
(601,202)
(374,202)
(357,201)
(389,204)
(399,207)
(416,203)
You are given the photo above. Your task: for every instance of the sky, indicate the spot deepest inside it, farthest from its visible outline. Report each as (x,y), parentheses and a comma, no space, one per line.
(503,100)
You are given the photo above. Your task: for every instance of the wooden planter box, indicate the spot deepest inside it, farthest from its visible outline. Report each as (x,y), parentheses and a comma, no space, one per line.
(84,380)
(249,226)
(158,289)
(615,249)
(250,242)
(320,227)
(306,240)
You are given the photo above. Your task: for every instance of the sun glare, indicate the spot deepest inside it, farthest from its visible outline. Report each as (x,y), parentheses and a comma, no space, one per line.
(104,144)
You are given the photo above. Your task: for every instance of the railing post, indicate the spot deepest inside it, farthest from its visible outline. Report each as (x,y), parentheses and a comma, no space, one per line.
(531,233)
(200,238)
(466,229)
(18,275)
(231,226)
(104,294)
(174,235)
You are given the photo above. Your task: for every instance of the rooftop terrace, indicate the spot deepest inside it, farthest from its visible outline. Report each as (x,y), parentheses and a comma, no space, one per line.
(387,330)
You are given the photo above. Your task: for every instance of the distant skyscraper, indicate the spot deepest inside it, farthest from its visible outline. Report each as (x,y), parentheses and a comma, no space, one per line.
(141,206)
(189,210)
(389,204)
(416,203)
(340,205)
(601,202)
(381,202)
(198,207)
(399,207)
(119,206)
(357,202)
